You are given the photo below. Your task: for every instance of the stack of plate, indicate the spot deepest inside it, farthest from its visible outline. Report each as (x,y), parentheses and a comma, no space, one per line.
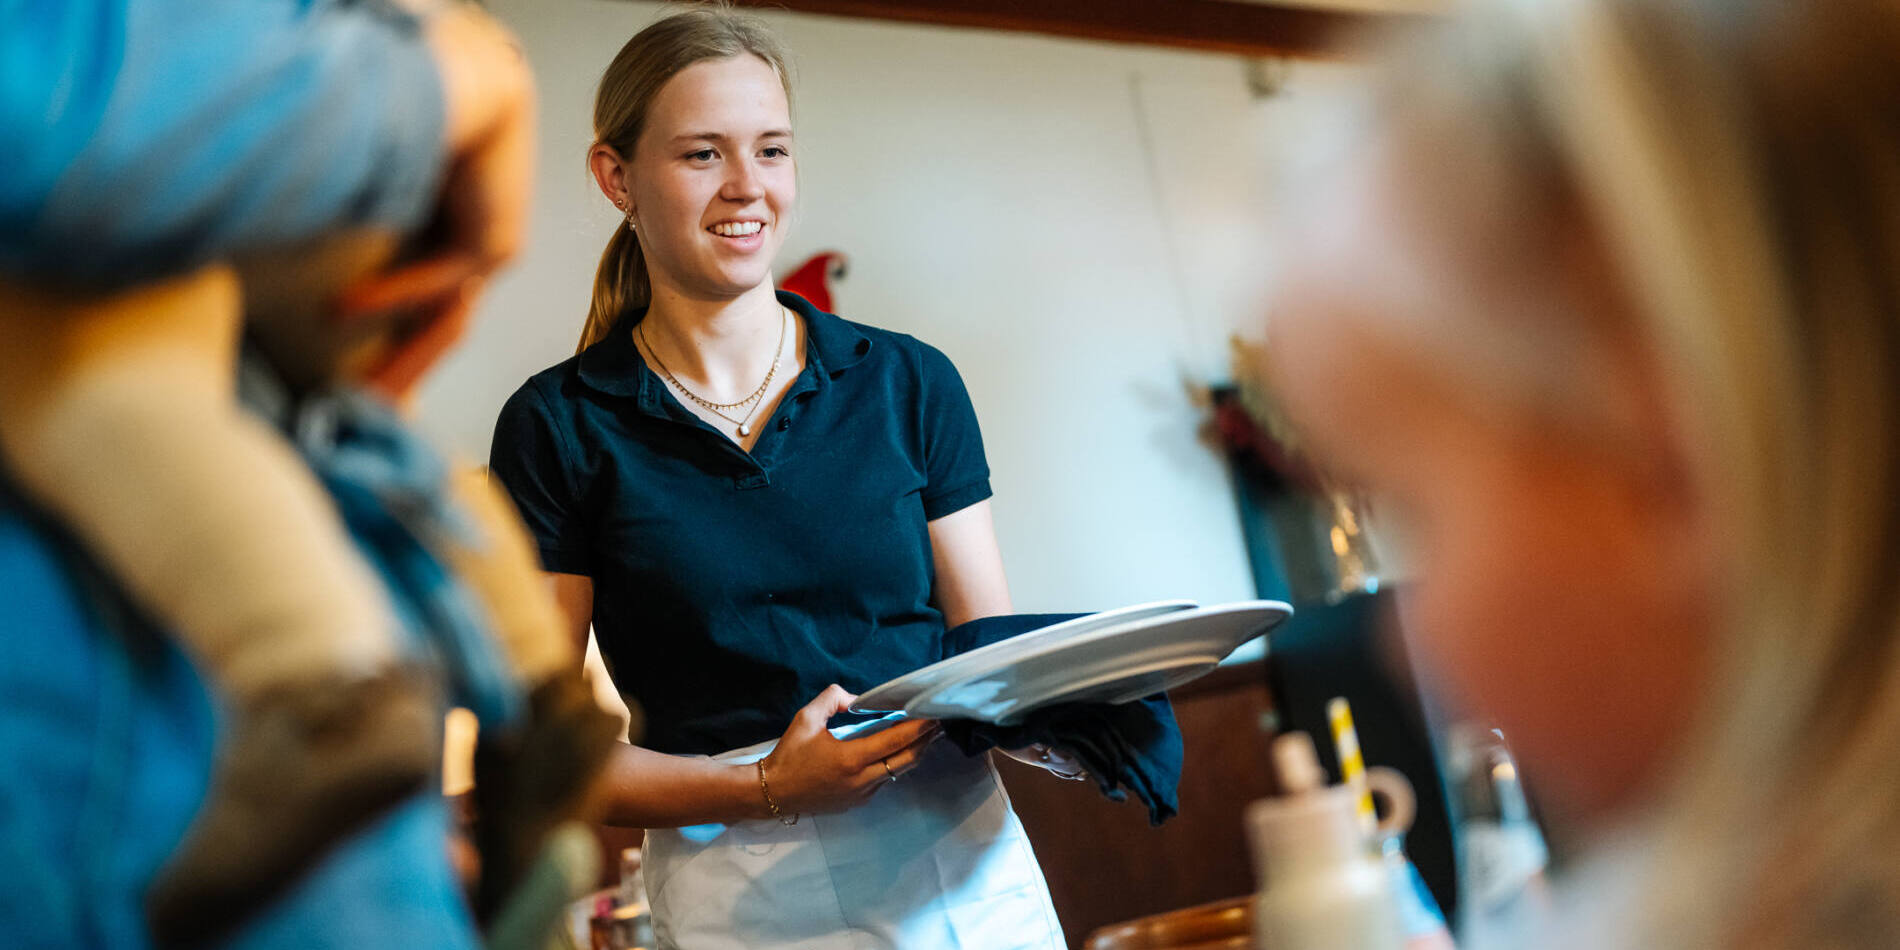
(1117,656)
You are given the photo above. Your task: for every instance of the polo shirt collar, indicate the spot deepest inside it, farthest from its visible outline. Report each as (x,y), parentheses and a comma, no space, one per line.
(614,365)
(832,344)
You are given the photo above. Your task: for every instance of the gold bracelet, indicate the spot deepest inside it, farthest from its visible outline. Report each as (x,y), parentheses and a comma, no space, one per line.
(769,803)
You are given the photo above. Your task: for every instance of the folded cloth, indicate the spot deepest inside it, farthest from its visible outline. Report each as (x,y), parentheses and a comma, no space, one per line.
(1134,745)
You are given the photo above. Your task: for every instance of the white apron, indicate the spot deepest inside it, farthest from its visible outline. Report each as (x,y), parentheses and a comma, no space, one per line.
(935,861)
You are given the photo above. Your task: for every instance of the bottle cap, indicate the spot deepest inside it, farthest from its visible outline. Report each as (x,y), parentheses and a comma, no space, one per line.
(1297,763)
(1312,824)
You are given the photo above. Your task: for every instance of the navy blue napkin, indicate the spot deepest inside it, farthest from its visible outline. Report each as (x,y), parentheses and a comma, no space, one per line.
(1135,745)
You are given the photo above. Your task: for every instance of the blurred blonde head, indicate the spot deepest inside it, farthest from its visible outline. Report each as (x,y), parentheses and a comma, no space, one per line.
(621,104)
(1693,210)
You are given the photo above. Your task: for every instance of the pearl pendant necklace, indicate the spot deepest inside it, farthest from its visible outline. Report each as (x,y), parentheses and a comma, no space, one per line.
(752,402)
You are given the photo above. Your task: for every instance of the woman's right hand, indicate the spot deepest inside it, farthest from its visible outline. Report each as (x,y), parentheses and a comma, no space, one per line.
(811,772)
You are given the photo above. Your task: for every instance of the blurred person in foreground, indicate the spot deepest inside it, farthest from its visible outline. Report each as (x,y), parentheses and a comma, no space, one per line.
(1603,302)
(187,172)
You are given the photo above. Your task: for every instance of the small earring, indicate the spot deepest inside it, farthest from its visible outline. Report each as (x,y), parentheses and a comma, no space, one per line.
(622,205)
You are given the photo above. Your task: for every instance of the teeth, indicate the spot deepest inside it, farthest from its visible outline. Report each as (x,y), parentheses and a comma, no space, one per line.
(737,228)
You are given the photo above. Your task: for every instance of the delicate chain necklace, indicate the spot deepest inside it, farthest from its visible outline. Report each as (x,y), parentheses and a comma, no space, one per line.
(754,401)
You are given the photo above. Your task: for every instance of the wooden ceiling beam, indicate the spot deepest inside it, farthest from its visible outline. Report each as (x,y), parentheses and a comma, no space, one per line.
(1246,29)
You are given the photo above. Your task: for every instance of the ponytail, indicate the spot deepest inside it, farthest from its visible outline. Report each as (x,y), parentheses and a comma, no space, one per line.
(620,285)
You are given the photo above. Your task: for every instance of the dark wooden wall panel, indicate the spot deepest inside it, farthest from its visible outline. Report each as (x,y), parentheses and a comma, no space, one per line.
(1246,29)
(1106,865)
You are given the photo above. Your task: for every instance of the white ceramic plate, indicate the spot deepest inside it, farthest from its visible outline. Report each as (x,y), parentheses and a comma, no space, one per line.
(897,694)
(1114,664)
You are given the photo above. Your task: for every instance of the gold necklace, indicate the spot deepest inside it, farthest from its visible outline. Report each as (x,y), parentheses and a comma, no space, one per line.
(754,400)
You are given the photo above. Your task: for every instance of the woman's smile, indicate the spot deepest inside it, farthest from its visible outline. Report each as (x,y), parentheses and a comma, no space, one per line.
(743,235)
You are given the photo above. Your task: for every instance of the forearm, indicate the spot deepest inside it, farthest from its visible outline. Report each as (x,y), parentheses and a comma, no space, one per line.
(648,789)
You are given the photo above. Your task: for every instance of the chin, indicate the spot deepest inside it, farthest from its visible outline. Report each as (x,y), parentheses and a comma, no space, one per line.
(736,284)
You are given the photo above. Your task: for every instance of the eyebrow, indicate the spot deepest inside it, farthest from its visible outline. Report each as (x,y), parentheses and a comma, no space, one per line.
(722,137)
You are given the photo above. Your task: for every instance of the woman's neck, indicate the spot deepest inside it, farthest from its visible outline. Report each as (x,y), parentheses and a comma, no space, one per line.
(725,346)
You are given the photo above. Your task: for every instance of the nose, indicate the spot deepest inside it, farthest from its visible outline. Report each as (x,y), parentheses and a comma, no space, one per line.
(742,182)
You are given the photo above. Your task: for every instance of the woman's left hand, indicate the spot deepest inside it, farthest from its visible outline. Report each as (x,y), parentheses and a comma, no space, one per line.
(1058,763)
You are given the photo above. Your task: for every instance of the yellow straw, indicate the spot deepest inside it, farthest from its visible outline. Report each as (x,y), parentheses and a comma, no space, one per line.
(1352,765)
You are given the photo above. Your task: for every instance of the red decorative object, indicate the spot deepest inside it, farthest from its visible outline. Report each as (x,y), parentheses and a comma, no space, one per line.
(1258,454)
(812,279)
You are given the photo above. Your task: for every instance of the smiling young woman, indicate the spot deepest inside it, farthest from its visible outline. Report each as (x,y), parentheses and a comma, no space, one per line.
(755,503)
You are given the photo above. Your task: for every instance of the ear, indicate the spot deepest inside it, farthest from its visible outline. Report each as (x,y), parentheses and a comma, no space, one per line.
(611,174)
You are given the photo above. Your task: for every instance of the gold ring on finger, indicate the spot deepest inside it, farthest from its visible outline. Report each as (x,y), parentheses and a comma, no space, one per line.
(887,769)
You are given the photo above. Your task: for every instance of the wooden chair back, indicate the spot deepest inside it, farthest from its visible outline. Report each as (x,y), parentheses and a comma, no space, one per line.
(1221,925)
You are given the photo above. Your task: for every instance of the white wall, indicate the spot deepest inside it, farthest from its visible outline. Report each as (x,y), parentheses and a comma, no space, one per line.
(1078,225)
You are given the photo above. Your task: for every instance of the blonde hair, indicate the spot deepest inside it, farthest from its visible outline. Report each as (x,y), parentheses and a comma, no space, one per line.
(1739,162)
(642,67)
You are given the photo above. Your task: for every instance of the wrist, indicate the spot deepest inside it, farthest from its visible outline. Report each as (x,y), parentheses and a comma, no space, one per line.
(773,808)
(742,783)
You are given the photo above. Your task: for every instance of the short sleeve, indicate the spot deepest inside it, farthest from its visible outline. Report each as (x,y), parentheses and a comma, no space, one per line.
(532,458)
(958,473)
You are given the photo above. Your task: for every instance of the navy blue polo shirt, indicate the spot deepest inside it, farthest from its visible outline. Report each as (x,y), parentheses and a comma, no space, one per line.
(731,588)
